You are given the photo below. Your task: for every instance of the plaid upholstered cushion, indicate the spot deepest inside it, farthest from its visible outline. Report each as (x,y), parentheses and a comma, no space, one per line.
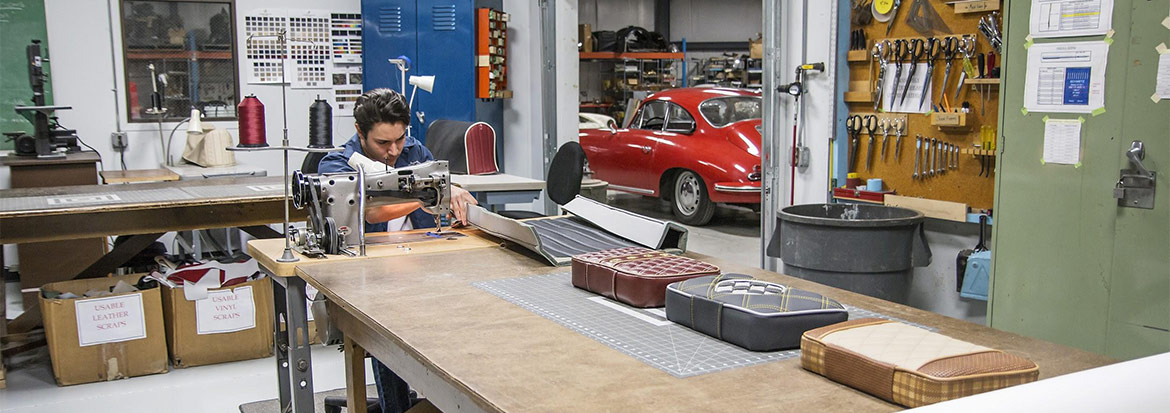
(908,365)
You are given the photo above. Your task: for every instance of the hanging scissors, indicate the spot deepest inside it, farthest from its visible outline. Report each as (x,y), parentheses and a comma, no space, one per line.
(932,53)
(966,48)
(899,55)
(950,47)
(854,124)
(914,50)
(870,125)
(881,53)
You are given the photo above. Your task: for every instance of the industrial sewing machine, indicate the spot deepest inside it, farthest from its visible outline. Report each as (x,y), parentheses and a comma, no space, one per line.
(337,202)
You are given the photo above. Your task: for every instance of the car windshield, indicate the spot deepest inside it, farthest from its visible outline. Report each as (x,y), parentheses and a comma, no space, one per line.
(723,111)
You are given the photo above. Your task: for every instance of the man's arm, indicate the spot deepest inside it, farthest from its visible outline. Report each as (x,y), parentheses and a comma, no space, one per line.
(385,213)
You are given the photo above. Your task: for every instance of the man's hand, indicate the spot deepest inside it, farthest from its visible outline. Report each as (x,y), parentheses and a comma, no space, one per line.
(460,199)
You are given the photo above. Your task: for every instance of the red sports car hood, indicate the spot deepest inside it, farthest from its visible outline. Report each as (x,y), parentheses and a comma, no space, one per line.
(745,135)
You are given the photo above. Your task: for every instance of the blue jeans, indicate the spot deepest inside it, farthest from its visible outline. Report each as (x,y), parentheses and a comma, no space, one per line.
(393,393)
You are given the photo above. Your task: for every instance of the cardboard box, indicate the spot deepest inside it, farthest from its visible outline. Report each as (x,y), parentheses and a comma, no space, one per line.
(756,48)
(585,37)
(230,324)
(104,338)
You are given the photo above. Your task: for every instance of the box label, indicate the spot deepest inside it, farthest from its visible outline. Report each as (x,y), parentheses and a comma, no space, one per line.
(110,319)
(225,311)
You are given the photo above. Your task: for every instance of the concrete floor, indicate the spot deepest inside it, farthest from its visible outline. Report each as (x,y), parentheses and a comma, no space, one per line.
(733,235)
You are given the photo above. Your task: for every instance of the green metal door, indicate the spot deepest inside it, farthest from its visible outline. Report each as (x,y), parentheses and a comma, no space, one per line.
(1069,265)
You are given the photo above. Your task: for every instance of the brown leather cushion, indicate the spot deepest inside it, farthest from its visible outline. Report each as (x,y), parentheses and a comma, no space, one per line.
(634,275)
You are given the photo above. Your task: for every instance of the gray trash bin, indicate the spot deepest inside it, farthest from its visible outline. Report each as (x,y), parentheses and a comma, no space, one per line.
(868,249)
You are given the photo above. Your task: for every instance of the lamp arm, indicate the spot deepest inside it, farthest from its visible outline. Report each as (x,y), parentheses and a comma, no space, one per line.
(167,149)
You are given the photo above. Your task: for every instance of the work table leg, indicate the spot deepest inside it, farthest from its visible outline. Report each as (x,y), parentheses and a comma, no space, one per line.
(294,364)
(355,376)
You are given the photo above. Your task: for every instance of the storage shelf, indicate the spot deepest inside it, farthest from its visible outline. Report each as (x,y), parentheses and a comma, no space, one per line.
(177,54)
(984,81)
(629,55)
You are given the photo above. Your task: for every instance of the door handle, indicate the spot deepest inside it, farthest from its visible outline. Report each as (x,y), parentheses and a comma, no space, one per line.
(1135,188)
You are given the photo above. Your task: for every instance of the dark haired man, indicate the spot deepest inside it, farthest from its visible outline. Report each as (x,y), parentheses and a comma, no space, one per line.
(381,117)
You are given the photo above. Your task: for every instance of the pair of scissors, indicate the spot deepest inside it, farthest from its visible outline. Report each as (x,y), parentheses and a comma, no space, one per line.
(854,125)
(899,55)
(870,125)
(881,53)
(932,53)
(950,47)
(914,49)
(966,48)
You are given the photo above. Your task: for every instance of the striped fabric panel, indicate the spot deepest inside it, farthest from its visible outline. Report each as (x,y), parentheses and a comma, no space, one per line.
(914,390)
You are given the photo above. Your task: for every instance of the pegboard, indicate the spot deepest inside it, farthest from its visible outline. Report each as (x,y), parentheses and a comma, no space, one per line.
(962,184)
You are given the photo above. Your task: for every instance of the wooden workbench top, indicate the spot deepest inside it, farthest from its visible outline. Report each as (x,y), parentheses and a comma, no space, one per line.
(514,360)
(399,244)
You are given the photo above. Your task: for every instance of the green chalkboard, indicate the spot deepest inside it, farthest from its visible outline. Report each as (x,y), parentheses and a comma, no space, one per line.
(21,21)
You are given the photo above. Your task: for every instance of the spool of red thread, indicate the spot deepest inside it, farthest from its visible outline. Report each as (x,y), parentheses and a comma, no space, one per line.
(251,115)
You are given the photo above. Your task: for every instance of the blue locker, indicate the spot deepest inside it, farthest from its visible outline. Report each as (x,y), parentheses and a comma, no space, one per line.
(439,38)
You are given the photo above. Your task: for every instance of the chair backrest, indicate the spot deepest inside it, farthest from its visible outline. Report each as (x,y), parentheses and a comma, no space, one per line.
(480,141)
(468,148)
(311,162)
(565,173)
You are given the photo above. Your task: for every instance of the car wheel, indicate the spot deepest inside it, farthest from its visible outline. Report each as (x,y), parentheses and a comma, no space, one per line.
(690,201)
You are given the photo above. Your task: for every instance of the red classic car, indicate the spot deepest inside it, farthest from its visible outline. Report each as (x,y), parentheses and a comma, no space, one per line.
(694,147)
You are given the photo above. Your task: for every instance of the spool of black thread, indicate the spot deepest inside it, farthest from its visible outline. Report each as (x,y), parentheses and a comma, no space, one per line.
(320,124)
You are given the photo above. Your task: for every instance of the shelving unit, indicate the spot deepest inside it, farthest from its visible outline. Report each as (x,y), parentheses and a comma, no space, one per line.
(623,74)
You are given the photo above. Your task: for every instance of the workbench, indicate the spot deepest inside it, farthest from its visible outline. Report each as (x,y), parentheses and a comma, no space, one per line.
(499,189)
(468,350)
(143,211)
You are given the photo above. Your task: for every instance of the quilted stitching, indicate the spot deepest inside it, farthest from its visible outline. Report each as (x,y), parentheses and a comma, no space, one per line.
(665,266)
(898,344)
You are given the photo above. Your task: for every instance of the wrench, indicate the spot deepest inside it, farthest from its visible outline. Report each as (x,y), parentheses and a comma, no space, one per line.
(955,161)
(917,151)
(933,155)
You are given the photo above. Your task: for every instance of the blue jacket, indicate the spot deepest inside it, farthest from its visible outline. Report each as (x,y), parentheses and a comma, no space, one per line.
(413,153)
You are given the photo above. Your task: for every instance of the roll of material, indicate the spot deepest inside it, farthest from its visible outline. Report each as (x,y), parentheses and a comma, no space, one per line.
(251,113)
(874,184)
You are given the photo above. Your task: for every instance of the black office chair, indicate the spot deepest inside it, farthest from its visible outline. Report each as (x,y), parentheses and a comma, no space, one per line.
(312,161)
(564,179)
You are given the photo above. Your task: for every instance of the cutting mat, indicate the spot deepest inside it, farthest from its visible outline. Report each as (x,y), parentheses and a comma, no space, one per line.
(644,334)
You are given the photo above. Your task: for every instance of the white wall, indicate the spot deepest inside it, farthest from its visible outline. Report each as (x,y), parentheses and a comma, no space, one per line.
(617,14)
(715,21)
(80,50)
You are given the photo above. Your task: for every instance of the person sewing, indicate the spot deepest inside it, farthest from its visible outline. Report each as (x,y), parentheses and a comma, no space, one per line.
(381,117)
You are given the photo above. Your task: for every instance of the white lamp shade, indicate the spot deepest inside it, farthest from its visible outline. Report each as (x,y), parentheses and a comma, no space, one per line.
(195,125)
(426,83)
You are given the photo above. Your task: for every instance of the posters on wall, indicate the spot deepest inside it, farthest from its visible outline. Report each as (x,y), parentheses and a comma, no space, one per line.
(322,51)
(1062,141)
(1070,18)
(893,101)
(1066,77)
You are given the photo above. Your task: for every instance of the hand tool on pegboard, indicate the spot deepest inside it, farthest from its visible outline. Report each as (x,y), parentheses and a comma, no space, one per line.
(923,18)
(914,51)
(917,155)
(893,16)
(881,54)
(899,55)
(932,53)
(950,47)
(854,125)
(870,126)
(861,14)
(884,125)
(966,49)
(900,128)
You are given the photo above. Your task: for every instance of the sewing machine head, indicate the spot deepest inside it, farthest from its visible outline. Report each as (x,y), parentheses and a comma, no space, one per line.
(337,202)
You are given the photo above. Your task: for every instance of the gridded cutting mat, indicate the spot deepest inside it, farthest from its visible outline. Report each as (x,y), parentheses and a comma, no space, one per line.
(644,334)
(239,190)
(97,198)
